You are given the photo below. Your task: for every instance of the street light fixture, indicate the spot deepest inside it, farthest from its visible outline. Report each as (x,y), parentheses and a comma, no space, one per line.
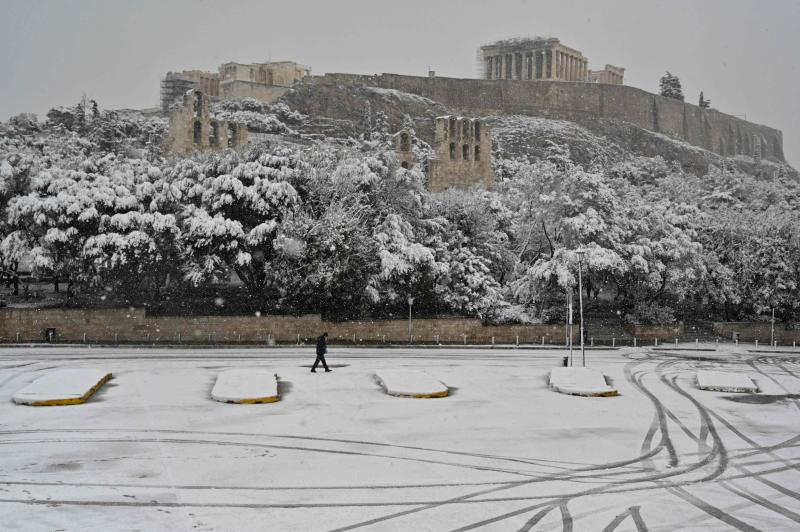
(581,253)
(410,329)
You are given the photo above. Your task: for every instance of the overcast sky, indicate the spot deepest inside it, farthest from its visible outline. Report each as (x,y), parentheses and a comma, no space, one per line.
(742,53)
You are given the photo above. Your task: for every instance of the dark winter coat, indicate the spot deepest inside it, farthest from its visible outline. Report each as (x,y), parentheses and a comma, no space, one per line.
(322,345)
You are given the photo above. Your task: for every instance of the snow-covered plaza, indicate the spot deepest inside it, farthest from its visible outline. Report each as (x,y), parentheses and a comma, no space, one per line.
(151,450)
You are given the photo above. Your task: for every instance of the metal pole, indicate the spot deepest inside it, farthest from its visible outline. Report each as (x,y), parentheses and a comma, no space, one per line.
(410,325)
(580,302)
(772,332)
(566,324)
(570,327)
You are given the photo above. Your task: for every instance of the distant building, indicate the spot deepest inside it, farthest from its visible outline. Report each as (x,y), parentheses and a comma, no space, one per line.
(538,59)
(611,74)
(192,129)
(263,81)
(462,157)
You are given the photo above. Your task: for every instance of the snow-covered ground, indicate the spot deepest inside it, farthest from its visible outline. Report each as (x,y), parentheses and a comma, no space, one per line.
(65,386)
(246,385)
(576,380)
(152,451)
(725,381)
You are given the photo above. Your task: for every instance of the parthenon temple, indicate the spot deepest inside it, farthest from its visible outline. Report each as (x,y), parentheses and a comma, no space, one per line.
(534,59)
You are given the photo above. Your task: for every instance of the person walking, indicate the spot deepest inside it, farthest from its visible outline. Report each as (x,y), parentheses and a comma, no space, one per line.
(322,348)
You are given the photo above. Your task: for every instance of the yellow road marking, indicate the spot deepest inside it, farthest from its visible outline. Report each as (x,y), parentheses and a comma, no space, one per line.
(74,400)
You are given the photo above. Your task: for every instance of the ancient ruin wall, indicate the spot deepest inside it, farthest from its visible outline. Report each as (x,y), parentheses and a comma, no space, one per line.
(583,103)
(462,158)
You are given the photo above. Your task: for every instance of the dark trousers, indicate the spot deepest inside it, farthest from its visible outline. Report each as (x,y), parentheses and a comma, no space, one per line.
(320,358)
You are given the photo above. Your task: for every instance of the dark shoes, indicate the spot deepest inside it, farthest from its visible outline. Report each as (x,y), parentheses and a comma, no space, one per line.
(328,370)
(313,371)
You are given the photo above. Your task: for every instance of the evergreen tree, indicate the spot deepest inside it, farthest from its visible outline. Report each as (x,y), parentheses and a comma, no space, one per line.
(705,104)
(671,86)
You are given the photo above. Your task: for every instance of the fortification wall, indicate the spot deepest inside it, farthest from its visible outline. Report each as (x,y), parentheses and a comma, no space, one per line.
(583,103)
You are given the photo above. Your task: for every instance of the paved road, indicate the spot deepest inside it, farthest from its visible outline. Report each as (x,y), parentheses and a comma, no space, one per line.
(151,451)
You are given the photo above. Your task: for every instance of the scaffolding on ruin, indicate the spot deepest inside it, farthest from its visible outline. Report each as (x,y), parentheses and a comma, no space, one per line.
(173,87)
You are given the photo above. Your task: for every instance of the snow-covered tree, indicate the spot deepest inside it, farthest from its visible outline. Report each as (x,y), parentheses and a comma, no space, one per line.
(670,86)
(234,208)
(561,208)
(68,209)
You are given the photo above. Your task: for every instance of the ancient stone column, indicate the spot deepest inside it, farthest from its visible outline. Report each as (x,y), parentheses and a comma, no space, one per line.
(514,65)
(555,63)
(528,62)
(546,64)
(488,68)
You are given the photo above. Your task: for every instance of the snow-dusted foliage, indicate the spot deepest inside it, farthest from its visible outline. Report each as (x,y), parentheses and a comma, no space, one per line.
(260,117)
(256,122)
(92,227)
(233,208)
(670,86)
(339,227)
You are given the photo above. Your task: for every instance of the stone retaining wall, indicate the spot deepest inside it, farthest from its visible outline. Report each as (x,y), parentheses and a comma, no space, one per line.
(133,326)
(752,331)
(663,333)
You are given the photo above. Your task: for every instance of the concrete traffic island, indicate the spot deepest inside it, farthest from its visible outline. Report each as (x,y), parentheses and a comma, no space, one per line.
(411,383)
(62,387)
(721,381)
(580,381)
(246,386)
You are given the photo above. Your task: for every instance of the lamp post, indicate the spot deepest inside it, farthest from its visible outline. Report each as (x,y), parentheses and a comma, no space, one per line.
(410,329)
(580,253)
(569,321)
(772,331)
